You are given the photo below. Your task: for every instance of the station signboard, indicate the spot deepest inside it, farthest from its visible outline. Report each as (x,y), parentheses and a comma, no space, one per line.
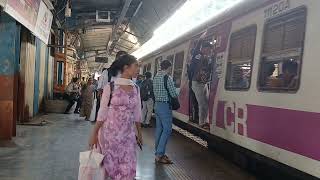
(101,60)
(44,21)
(24,11)
(33,14)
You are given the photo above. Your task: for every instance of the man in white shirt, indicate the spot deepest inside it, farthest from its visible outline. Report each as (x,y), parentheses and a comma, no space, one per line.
(103,79)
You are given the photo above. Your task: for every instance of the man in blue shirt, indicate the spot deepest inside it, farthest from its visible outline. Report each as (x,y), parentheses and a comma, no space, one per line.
(199,74)
(163,110)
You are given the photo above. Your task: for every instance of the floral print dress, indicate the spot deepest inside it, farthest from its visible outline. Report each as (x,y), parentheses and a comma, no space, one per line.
(87,101)
(117,137)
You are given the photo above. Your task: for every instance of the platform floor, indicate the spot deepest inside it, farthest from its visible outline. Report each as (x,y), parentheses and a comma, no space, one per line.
(51,152)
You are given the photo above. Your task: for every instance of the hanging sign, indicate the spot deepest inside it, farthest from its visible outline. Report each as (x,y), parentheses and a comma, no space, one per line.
(44,21)
(24,11)
(33,14)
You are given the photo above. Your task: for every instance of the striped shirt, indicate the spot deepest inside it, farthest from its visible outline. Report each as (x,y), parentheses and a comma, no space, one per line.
(160,92)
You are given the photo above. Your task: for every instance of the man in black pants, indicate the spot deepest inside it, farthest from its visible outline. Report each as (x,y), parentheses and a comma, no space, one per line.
(73,95)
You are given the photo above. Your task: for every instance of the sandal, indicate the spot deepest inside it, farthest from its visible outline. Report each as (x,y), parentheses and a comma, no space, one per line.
(205,126)
(164,160)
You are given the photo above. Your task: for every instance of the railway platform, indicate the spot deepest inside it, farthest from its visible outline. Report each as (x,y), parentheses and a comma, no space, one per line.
(48,149)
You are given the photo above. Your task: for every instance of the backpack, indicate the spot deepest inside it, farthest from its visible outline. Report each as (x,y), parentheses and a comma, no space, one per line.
(174,102)
(145,90)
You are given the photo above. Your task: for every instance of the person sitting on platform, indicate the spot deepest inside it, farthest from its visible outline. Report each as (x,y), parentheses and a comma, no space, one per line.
(73,95)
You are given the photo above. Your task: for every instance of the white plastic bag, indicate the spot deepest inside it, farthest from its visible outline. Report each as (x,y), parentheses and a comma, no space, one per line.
(93,111)
(91,166)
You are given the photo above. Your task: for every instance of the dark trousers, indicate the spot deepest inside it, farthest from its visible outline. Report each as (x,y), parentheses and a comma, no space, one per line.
(97,107)
(72,100)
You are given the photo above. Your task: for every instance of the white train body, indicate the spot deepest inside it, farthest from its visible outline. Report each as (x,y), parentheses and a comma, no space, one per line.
(280,123)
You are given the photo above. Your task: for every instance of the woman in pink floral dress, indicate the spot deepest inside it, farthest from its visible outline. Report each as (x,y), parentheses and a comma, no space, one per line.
(117,120)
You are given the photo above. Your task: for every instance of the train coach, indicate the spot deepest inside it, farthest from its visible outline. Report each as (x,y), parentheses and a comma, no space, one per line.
(264,119)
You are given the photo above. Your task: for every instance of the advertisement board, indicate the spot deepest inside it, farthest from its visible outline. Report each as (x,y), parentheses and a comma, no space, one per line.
(33,14)
(43,25)
(101,60)
(24,11)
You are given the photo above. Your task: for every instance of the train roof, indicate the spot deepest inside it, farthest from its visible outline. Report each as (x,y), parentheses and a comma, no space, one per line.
(240,9)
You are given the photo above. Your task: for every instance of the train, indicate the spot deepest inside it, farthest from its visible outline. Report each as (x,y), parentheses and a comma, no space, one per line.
(266,120)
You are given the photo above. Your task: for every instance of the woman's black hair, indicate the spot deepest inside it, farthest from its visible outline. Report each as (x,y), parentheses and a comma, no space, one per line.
(118,65)
(120,53)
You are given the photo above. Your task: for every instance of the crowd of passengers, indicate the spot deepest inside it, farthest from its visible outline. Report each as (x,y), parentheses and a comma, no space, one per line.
(125,102)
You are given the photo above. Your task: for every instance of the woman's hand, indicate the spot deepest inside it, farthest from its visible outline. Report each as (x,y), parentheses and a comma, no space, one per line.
(93,141)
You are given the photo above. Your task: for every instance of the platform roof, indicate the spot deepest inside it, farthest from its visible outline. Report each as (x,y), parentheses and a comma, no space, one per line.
(121,25)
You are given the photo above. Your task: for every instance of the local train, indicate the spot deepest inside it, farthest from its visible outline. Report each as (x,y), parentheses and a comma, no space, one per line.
(256,40)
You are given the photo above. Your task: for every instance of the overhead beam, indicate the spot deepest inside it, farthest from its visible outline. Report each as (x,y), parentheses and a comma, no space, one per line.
(128,41)
(91,23)
(121,18)
(122,46)
(91,50)
(93,56)
(131,34)
(93,11)
(116,40)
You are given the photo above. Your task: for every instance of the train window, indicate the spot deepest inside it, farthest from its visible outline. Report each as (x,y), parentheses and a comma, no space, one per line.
(282,52)
(156,64)
(241,53)
(149,67)
(178,66)
(170,58)
(144,69)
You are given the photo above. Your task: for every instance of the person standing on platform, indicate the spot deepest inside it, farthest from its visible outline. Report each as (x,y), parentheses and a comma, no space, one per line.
(139,80)
(113,77)
(83,82)
(147,97)
(107,77)
(199,75)
(87,93)
(104,79)
(72,95)
(163,111)
(118,127)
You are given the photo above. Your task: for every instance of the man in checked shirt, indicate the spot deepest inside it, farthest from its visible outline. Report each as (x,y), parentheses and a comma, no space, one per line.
(163,110)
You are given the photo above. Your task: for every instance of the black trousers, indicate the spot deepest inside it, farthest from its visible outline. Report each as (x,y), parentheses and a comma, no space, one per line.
(72,100)
(97,106)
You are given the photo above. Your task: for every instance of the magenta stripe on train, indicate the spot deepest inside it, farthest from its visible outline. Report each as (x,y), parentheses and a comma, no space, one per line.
(295,131)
